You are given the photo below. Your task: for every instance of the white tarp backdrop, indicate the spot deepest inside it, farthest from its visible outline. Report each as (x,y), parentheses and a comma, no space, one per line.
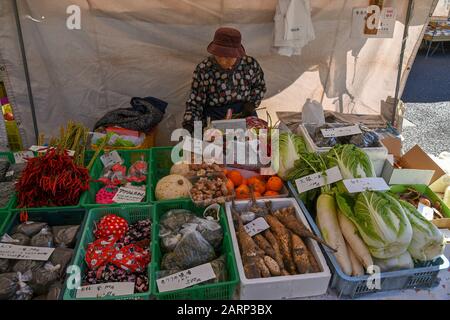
(151,47)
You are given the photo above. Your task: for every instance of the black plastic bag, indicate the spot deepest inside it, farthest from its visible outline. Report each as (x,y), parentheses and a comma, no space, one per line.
(17,238)
(65,236)
(193,250)
(23,266)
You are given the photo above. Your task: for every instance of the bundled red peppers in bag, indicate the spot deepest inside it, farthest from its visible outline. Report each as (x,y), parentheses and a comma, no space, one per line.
(52,179)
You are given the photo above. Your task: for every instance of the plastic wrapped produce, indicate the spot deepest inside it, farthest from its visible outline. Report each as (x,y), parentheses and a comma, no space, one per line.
(4,167)
(16,170)
(4,265)
(193,250)
(210,230)
(54,292)
(7,189)
(44,277)
(13,286)
(65,236)
(175,219)
(23,266)
(30,228)
(61,256)
(43,239)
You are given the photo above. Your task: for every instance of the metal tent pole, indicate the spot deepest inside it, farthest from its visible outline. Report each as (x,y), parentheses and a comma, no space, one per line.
(25,67)
(402,54)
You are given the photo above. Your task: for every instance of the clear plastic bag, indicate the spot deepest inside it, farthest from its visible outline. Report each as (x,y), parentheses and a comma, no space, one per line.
(65,236)
(175,219)
(43,239)
(210,230)
(44,277)
(13,286)
(23,266)
(138,172)
(30,228)
(4,265)
(61,256)
(193,250)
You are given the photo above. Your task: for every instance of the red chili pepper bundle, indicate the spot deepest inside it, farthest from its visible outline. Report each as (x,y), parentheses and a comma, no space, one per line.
(51,180)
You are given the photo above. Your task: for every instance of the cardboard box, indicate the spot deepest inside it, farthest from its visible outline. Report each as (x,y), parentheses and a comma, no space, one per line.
(417,166)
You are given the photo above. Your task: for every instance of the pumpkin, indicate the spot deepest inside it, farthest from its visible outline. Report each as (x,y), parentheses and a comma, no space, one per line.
(173,186)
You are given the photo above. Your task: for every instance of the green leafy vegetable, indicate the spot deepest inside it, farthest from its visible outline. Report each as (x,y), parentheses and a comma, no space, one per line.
(381,221)
(352,161)
(427,241)
(291,146)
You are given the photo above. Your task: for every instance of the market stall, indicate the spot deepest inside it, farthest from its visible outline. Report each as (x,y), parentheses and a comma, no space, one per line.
(95,211)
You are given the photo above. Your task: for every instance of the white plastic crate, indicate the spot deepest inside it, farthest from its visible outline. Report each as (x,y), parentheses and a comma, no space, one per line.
(283,287)
(377,155)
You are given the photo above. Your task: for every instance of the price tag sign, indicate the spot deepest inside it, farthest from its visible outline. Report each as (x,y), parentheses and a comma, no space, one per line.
(38,148)
(426,211)
(129,195)
(256,226)
(111,158)
(318,180)
(12,251)
(186,278)
(341,132)
(365,184)
(111,289)
(20,156)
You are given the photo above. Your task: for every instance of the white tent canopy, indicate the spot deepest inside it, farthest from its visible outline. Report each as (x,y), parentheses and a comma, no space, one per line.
(151,47)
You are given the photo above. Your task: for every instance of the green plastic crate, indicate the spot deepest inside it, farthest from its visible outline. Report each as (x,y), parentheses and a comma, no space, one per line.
(216,291)
(10,157)
(160,164)
(52,218)
(129,157)
(5,216)
(424,189)
(129,213)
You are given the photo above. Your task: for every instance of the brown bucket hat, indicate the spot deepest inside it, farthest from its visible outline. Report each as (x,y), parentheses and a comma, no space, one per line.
(227,43)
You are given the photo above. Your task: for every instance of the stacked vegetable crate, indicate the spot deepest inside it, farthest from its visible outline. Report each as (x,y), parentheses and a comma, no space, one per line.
(129,157)
(54,217)
(131,214)
(221,290)
(422,276)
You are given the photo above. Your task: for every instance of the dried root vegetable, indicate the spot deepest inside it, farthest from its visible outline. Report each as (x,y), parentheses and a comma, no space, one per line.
(313,262)
(265,272)
(273,266)
(276,248)
(264,245)
(249,249)
(300,254)
(284,239)
(289,219)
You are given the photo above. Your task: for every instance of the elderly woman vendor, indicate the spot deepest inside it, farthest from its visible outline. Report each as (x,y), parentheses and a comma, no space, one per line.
(229,79)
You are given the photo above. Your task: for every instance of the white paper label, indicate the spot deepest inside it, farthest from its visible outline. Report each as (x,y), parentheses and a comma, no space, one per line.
(256,226)
(365,184)
(38,148)
(318,180)
(9,174)
(426,211)
(341,132)
(186,278)
(19,157)
(111,158)
(381,21)
(12,251)
(129,195)
(112,289)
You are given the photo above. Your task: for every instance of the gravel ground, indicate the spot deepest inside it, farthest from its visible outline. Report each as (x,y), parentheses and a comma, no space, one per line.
(427,98)
(430,127)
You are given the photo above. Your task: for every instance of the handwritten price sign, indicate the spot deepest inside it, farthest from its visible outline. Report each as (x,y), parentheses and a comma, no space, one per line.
(186,278)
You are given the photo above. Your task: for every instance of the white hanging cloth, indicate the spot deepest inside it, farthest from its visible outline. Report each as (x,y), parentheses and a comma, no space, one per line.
(293,26)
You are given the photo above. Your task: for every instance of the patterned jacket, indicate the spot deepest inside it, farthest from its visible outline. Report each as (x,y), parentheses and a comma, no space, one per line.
(213,86)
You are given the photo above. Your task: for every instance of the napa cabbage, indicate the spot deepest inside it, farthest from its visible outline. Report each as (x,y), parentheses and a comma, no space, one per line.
(352,161)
